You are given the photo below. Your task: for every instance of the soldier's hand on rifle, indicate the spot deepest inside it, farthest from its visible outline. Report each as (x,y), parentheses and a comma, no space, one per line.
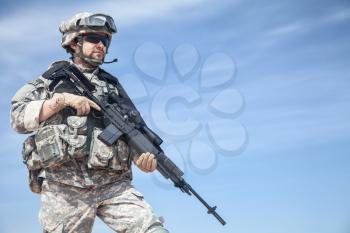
(61,100)
(146,162)
(81,103)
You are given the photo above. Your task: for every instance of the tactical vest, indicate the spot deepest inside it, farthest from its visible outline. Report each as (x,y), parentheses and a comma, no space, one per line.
(65,137)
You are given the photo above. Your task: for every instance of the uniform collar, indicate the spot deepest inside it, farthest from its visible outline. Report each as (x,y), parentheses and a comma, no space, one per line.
(94,70)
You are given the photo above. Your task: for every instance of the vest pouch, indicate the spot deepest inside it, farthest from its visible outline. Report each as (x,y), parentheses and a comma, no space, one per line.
(77,146)
(77,139)
(51,145)
(30,156)
(34,164)
(100,153)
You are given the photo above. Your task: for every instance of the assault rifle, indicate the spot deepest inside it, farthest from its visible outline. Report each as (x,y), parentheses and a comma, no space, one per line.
(126,122)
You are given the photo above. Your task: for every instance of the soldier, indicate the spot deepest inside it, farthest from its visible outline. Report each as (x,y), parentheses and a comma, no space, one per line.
(76,174)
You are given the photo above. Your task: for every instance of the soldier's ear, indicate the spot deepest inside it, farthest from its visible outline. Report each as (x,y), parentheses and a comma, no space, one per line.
(73,46)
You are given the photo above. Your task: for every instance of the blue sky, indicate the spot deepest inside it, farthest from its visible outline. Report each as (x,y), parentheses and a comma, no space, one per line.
(277,160)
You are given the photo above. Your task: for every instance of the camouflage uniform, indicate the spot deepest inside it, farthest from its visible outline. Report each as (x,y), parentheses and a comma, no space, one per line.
(119,205)
(74,192)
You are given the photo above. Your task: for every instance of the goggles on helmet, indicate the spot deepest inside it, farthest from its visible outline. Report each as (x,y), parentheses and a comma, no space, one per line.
(99,20)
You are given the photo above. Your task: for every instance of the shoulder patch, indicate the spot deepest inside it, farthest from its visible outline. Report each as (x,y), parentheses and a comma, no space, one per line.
(28,88)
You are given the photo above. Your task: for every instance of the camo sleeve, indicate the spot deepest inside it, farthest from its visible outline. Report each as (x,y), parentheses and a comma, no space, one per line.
(26,106)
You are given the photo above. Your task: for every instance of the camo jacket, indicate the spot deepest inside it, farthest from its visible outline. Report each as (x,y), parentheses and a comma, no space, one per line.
(26,106)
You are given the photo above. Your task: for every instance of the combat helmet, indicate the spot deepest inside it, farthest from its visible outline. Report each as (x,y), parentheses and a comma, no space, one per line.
(73,28)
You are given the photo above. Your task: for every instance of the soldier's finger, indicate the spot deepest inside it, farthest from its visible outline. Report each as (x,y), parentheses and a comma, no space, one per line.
(149,161)
(83,110)
(145,160)
(94,105)
(78,111)
(144,170)
(87,108)
(154,165)
(140,160)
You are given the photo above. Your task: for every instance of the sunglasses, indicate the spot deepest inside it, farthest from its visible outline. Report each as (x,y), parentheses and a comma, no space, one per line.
(96,38)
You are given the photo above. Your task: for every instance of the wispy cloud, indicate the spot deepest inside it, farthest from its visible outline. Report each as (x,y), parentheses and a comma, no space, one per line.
(286,29)
(33,30)
(310,109)
(306,24)
(136,11)
(30,22)
(337,16)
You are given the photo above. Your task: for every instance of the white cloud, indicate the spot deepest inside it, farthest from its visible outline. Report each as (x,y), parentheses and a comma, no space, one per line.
(295,110)
(286,29)
(281,32)
(133,12)
(340,15)
(25,21)
(31,31)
